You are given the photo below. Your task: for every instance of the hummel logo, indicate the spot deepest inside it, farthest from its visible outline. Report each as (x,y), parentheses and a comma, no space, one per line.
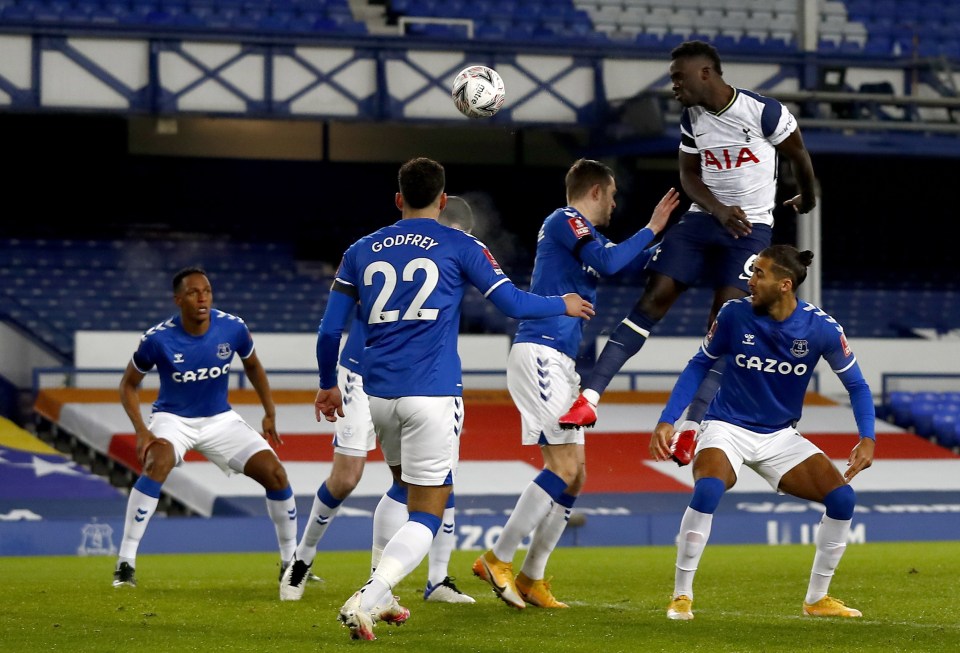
(178,358)
(749,339)
(141,514)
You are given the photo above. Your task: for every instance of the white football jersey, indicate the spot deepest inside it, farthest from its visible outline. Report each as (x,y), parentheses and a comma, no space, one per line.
(737,148)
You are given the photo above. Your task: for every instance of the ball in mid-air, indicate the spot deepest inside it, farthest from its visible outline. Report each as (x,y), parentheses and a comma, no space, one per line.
(478,92)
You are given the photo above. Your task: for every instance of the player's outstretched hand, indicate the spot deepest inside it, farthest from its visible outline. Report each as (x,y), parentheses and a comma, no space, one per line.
(799,205)
(660,441)
(661,213)
(577,306)
(269,425)
(734,220)
(329,404)
(860,458)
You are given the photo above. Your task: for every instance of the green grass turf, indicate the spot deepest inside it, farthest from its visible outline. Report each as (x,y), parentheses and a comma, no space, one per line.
(748,599)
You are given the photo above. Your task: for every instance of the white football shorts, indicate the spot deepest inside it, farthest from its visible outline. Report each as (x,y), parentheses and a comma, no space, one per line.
(225,439)
(354,433)
(421,434)
(771,455)
(543,382)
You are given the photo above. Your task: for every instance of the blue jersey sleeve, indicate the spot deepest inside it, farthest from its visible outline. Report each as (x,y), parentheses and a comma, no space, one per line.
(686,386)
(609,259)
(713,347)
(341,302)
(522,305)
(145,357)
(484,272)
(638,264)
(244,343)
(844,364)
(579,236)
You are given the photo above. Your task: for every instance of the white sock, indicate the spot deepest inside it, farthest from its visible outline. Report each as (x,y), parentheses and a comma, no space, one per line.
(140,508)
(532,506)
(694,533)
(403,553)
(389,516)
(592,396)
(831,542)
(442,547)
(283,513)
(544,541)
(320,517)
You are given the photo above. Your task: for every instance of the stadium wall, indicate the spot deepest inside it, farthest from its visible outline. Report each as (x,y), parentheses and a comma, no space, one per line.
(485,358)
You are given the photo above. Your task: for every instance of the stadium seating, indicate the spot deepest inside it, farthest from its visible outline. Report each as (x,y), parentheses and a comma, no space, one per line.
(933,415)
(855,27)
(232,16)
(52,288)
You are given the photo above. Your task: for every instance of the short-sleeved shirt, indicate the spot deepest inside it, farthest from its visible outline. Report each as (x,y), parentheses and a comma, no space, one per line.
(194,370)
(737,149)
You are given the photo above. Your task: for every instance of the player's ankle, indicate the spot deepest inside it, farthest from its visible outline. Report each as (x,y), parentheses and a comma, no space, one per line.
(592,396)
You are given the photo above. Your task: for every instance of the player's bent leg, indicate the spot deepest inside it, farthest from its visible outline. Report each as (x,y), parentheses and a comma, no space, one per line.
(817,479)
(141,505)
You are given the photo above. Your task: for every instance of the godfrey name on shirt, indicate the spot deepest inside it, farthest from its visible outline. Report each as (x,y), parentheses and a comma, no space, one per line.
(416,240)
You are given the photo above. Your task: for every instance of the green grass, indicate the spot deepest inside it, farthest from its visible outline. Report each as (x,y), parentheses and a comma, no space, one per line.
(748,599)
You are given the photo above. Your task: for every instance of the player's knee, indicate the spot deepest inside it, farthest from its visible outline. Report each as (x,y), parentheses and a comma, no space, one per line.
(274,477)
(707,493)
(159,460)
(341,485)
(840,502)
(566,470)
(576,485)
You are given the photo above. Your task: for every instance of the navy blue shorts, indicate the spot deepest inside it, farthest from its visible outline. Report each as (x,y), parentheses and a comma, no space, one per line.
(699,251)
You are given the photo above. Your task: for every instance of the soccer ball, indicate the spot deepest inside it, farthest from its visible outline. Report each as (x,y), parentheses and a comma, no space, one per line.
(478,92)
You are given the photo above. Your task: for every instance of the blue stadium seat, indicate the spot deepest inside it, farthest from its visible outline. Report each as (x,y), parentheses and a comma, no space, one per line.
(900,405)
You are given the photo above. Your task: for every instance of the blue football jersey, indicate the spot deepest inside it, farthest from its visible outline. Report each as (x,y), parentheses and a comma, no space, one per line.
(409,279)
(571,257)
(194,370)
(769,363)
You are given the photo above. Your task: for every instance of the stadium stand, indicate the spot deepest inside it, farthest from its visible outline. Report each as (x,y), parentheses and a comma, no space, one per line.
(887,27)
(54,288)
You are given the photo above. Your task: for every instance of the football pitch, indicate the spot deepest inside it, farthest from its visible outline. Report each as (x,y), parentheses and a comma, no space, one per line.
(748,599)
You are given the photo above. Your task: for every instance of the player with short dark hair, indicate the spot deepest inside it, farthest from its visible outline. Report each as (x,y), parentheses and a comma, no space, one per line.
(354,437)
(192,352)
(772,342)
(730,142)
(542,377)
(409,279)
